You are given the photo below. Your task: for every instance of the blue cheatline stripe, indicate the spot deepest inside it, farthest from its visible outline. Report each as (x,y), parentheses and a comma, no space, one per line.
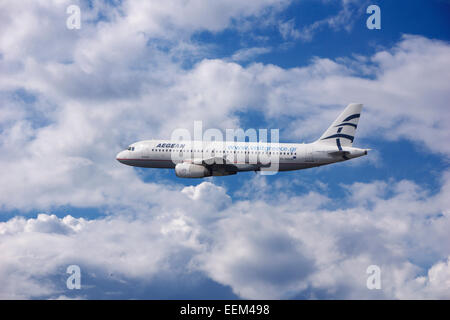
(340,135)
(338,143)
(353,116)
(347,124)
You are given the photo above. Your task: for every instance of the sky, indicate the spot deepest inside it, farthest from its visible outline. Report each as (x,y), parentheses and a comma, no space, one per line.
(71,99)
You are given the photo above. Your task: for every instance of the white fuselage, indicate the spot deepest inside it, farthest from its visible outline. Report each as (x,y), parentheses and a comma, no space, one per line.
(236,156)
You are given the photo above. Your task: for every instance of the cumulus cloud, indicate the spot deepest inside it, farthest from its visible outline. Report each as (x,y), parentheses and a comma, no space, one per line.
(259,248)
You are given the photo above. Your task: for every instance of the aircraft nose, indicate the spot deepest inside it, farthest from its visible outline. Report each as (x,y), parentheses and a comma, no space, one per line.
(120,156)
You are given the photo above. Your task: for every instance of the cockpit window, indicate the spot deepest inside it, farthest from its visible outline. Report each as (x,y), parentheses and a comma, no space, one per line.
(130,148)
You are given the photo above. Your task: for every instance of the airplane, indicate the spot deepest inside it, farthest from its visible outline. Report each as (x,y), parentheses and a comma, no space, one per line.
(198,159)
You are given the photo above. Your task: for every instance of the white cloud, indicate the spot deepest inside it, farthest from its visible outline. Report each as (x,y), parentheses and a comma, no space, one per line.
(437,281)
(249,53)
(260,248)
(288,31)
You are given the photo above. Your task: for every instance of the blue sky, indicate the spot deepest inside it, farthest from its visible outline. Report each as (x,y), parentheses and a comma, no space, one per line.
(71,99)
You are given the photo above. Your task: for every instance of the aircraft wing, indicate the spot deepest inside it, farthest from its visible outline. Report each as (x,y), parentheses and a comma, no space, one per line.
(209,161)
(215,163)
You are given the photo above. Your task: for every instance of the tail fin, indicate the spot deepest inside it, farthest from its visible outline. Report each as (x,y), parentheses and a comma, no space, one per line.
(342,130)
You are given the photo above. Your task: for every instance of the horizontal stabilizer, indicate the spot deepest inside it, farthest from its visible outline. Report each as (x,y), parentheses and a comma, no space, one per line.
(339,153)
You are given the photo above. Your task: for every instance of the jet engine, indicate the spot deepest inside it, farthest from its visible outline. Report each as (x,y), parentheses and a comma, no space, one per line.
(189,170)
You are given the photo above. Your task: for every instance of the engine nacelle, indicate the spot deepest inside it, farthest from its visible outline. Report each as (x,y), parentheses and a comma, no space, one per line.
(189,170)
